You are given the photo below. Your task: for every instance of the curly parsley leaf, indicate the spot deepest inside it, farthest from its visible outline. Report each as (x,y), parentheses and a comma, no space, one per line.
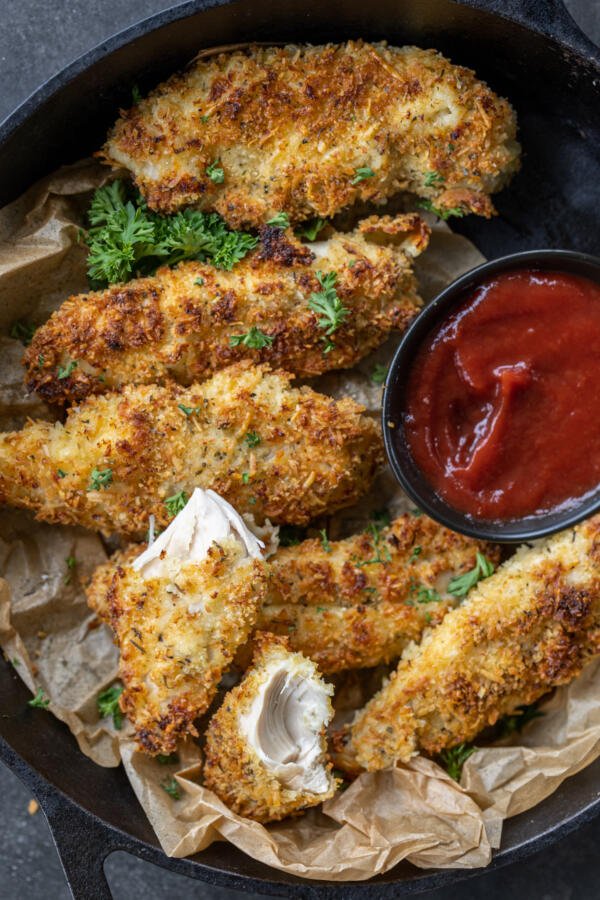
(362,173)
(433,178)
(325,541)
(311,228)
(170,786)
(255,339)
(176,502)
(108,704)
(328,306)
(379,374)
(454,759)
(215,172)
(100,478)
(462,584)
(22,331)
(252,439)
(127,239)
(40,701)
(66,371)
(188,410)
(281,220)
(443,214)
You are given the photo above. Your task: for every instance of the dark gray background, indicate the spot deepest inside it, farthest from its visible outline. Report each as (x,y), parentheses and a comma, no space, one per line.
(37,39)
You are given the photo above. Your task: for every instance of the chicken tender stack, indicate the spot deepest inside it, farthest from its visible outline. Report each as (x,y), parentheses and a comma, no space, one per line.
(187,322)
(285,453)
(178,612)
(266,750)
(528,628)
(309,130)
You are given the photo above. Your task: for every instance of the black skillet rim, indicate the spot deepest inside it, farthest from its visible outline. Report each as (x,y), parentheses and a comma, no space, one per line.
(556,25)
(405,469)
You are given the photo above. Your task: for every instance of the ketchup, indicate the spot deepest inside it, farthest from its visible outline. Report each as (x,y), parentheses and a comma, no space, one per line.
(503,399)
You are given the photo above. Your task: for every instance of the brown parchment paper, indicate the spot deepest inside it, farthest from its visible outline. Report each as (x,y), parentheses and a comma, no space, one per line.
(414,812)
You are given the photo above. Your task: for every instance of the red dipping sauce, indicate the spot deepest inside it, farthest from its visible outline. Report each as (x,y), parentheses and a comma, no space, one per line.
(503,399)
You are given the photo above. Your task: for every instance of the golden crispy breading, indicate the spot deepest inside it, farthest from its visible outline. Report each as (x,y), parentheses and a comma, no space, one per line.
(179,323)
(177,633)
(118,457)
(310,130)
(358,602)
(528,628)
(257,761)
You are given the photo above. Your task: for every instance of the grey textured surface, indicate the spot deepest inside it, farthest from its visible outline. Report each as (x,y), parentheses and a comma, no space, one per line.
(36,40)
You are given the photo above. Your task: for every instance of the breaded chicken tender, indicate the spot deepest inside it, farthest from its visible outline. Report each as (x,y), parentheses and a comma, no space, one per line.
(528,628)
(357,603)
(178,612)
(266,750)
(310,130)
(181,323)
(285,453)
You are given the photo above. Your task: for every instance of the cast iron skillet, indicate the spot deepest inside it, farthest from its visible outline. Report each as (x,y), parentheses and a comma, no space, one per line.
(529,50)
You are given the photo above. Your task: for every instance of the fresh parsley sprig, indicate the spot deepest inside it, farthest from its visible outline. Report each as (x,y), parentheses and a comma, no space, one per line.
(281,220)
(176,502)
(454,759)
(330,309)
(311,228)
(443,214)
(362,173)
(40,701)
(254,339)
(108,704)
(126,239)
(462,584)
(100,478)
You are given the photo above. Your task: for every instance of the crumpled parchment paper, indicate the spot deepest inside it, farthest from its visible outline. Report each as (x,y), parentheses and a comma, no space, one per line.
(414,812)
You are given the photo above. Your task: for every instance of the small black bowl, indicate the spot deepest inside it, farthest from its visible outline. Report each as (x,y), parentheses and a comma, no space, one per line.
(394,402)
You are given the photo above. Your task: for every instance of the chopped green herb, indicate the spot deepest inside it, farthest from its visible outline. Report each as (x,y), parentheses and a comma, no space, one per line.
(427,595)
(415,553)
(416,512)
(379,374)
(444,214)
(100,478)
(433,178)
(310,229)
(199,282)
(169,760)
(40,360)
(245,477)
(127,239)
(252,500)
(66,371)
(252,439)
(188,410)
(22,331)
(176,502)
(321,609)
(428,617)
(325,541)
(108,704)
(204,118)
(61,473)
(454,759)
(255,339)
(362,173)
(462,584)
(375,527)
(215,172)
(291,535)
(135,95)
(281,220)
(40,701)
(328,306)
(451,148)
(519,719)
(71,565)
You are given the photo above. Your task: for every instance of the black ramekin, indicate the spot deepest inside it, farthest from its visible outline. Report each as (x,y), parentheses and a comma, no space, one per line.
(394,403)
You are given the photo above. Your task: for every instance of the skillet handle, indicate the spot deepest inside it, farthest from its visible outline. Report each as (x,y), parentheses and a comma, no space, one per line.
(82,844)
(548,17)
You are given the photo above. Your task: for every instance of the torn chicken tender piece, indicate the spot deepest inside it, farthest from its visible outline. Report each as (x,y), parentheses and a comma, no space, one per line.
(266,749)
(362,600)
(118,457)
(178,612)
(179,323)
(528,628)
(310,130)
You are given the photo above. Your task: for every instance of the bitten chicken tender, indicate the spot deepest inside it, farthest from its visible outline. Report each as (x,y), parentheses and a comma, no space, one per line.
(285,453)
(178,612)
(266,750)
(181,322)
(358,602)
(528,628)
(310,130)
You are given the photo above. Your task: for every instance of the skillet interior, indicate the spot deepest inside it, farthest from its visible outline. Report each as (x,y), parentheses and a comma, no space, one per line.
(554,202)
